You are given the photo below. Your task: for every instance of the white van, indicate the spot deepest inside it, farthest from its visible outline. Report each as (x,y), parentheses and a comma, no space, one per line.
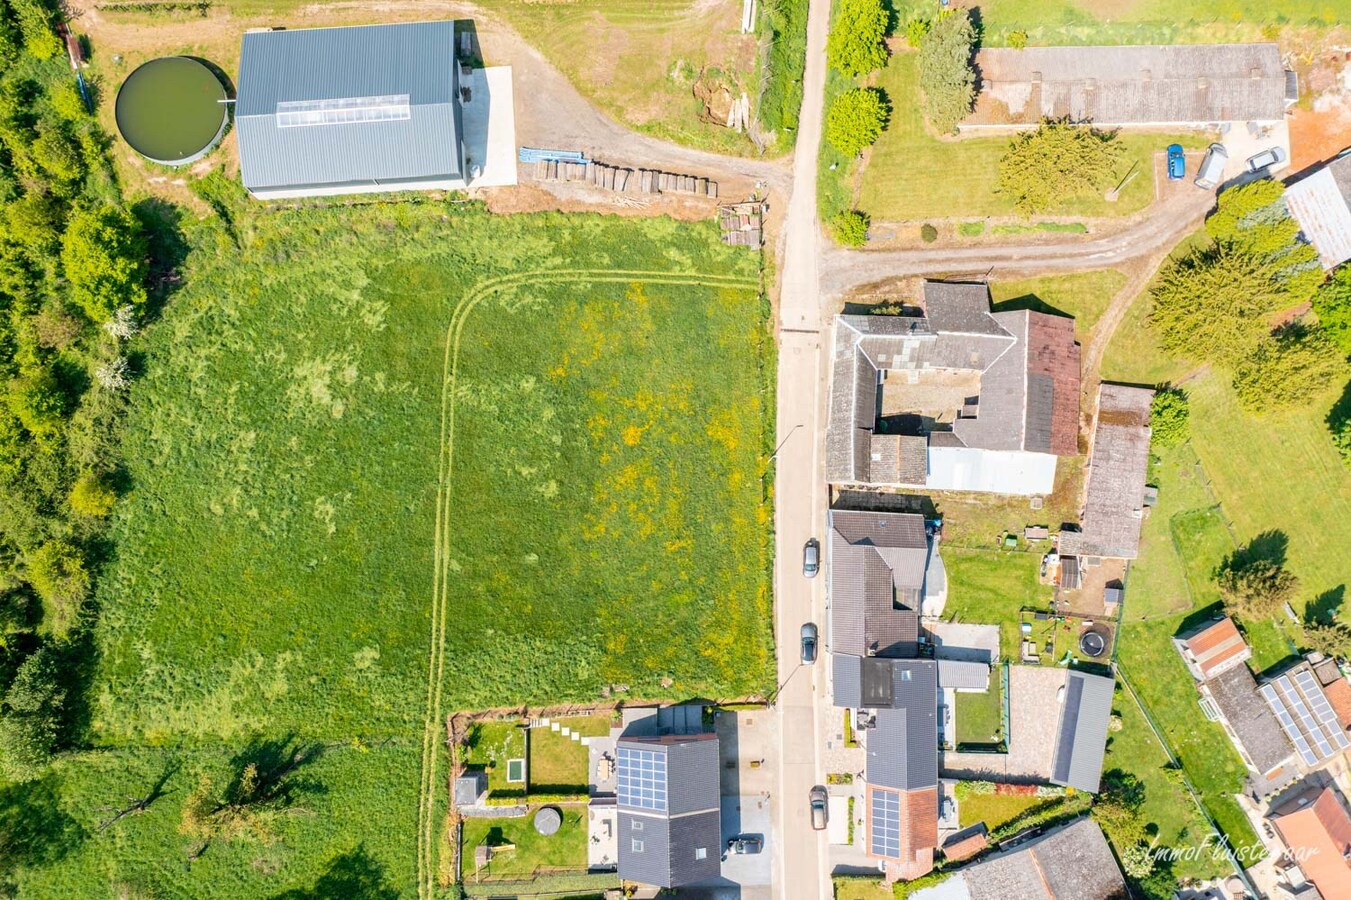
(1212,167)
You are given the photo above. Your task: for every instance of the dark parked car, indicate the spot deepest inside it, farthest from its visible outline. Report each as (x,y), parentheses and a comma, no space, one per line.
(809,643)
(1177,162)
(744,845)
(811,558)
(820,814)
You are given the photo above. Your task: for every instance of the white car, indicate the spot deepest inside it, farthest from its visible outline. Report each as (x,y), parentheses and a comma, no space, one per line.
(1269,157)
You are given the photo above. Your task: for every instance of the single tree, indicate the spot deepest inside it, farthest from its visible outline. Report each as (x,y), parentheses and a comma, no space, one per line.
(1340,426)
(1330,638)
(1211,304)
(1288,368)
(916,27)
(856,119)
(1169,418)
(30,717)
(104,256)
(1253,218)
(1059,161)
(947,81)
(1255,589)
(39,402)
(56,570)
(1117,807)
(856,44)
(91,496)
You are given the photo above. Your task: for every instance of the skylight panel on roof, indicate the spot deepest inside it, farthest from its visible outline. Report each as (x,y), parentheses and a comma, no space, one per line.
(343,110)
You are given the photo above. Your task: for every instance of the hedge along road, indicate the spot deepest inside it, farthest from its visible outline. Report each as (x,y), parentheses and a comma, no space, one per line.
(427,862)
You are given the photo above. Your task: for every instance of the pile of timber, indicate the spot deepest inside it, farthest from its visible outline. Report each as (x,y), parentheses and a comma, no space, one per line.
(611,178)
(742,224)
(556,170)
(651,181)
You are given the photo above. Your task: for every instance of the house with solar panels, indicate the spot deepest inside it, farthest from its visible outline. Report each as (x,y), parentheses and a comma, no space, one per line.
(360,109)
(1283,726)
(666,789)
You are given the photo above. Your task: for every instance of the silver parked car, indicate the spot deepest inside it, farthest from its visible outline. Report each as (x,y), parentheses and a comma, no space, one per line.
(809,643)
(1269,157)
(811,558)
(819,801)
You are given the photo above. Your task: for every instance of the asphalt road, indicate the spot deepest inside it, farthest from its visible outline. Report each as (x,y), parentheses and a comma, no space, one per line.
(801,865)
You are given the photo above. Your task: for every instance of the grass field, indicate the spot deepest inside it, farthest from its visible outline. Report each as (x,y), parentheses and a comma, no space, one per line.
(279,569)
(1083,295)
(558,764)
(491,745)
(994,809)
(980,716)
(959,177)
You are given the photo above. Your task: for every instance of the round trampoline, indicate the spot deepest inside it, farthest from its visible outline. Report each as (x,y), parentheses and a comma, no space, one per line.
(171,110)
(1092,643)
(548,820)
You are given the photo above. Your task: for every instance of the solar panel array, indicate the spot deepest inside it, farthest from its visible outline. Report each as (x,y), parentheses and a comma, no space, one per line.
(885,819)
(1306,716)
(343,110)
(641,779)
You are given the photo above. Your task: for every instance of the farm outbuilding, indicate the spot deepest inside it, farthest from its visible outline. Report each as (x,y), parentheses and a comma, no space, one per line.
(324,111)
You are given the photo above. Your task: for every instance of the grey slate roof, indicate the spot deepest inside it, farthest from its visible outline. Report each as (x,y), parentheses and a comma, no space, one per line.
(902,749)
(1321,203)
(846,680)
(1234,693)
(957,674)
(413,59)
(1081,736)
(1130,85)
(876,563)
(1070,863)
(1028,395)
(1115,499)
(667,840)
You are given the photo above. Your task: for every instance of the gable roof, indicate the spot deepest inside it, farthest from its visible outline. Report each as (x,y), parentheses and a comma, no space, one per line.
(1304,713)
(1321,203)
(1029,382)
(1339,695)
(403,74)
(667,794)
(1317,828)
(1115,497)
(1130,85)
(877,563)
(1234,693)
(1081,735)
(966,843)
(902,747)
(1069,863)
(1216,648)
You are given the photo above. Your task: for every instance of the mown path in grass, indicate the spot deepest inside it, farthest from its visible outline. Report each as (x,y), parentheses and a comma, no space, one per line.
(434,726)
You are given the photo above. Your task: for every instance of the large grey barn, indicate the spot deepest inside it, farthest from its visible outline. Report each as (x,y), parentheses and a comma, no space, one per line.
(326,111)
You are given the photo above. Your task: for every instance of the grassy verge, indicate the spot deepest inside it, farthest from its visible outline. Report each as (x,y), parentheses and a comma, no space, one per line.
(995,810)
(1084,295)
(991,587)
(783,26)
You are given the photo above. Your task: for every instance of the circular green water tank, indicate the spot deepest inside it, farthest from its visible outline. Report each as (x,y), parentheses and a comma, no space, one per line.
(171,110)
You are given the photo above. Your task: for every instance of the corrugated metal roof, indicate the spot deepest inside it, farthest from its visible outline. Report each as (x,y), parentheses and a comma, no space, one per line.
(846,680)
(1319,203)
(1130,85)
(416,59)
(1082,735)
(1115,498)
(956,674)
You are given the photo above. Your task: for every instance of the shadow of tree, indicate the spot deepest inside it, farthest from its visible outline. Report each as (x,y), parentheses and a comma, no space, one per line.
(353,874)
(162,223)
(34,829)
(1326,605)
(274,762)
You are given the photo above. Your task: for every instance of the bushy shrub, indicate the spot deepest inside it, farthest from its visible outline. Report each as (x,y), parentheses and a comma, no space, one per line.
(1332,304)
(856,42)
(1017,39)
(39,402)
(1169,418)
(850,228)
(30,717)
(103,254)
(916,27)
(856,119)
(57,571)
(1286,369)
(91,496)
(928,233)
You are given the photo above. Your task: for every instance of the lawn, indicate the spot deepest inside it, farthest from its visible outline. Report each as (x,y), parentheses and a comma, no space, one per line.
(980,715)
(491,745)
(533,852)
(1083,295)
(995,809)
(558,765)
(280,561)
(991,587)
(959,177)
(1168,810)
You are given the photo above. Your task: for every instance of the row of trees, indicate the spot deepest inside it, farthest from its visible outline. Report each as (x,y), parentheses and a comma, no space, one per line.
(1215,304)
(856,118)
(72,274)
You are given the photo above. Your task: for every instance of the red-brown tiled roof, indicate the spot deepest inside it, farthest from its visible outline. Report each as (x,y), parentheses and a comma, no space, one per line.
(1051,351)
(1339,695)
(1319,838)
(966,847)
(1217,647)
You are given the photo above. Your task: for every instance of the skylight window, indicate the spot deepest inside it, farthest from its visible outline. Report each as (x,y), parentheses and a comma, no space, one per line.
(343,111)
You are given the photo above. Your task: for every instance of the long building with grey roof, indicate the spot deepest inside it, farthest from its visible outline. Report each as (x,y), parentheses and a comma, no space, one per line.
(1321,204)
(324,111)
(956,398)
(1183,85)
